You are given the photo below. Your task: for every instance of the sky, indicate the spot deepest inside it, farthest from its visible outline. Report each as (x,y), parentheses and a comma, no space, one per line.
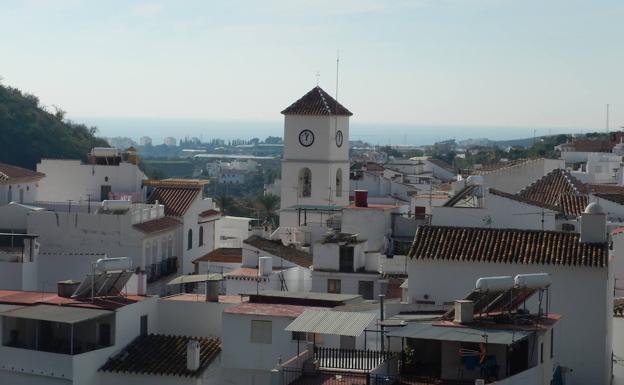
(498,63)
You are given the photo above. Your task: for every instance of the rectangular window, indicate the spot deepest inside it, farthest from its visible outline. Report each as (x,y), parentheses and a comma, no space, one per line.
(366,289)
(542,353)
(144,325)
(261,332)
(552,343)
(299,336)
(333,286)
(346,259)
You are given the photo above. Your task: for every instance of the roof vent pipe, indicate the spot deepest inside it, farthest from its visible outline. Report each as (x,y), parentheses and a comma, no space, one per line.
(192,355)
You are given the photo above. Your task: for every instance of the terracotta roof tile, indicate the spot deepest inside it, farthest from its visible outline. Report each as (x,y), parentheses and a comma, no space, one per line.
(209,213)
(589,145)
(14,173)
(27,298)
(277,248)
(557,189)
(156,225)
(506,246)
(156,354)
(316,102)
(176,199)
(224,255)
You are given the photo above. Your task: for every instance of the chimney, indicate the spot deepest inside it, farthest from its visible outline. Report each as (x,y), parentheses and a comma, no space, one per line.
(361,198)
(593,224)
(265,266)
(192,355)
(464,311)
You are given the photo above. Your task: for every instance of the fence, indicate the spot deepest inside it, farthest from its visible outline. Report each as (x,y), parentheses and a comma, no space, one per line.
(351,359)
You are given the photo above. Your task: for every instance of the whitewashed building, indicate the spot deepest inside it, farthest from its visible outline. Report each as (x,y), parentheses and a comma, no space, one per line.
(109,174)
(18,184)
(446,260)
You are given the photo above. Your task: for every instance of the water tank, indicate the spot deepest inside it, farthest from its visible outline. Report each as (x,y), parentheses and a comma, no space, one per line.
(361,198)
(116,205)
(501,283)
(265,267)
(464,311)
(113,264)
(105,152)
(533,281)
(67,288)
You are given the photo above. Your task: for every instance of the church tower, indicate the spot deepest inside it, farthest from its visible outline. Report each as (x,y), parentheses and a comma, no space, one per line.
(315,166)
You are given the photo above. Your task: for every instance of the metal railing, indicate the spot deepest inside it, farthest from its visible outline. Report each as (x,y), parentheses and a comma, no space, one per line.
(166,267)
(352,359)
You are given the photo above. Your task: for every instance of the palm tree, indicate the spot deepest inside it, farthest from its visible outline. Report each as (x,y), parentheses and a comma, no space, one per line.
(268,204)
(224,203)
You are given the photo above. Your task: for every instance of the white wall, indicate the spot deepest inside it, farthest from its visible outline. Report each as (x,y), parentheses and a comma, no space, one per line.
(70,179)
(580,295)
(239,352)
(192,221)
(369,224)
(514,178)
(200,318)
(231,231)
(349,282)
(498,212)
(11,192)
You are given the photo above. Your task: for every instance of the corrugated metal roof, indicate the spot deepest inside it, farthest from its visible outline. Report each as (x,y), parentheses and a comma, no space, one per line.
(428,331)
(331,322)
(63,314)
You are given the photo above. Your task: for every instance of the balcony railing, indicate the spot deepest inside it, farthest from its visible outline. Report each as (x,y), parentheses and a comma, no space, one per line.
(352,359)
(166,267)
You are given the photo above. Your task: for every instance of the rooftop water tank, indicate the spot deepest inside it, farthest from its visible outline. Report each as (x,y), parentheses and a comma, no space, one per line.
(116,205)
(501,283)
(113,264)
(265,266)
(533,281)
(105,152)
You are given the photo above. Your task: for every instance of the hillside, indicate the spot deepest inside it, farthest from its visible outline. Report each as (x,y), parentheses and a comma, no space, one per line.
(28,132)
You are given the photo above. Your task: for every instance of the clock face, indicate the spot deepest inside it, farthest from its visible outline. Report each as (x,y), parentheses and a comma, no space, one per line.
(339,138)
(306,138)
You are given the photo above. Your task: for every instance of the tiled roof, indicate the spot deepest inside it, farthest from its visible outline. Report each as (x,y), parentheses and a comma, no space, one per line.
(156,225)
(588,145)
(557,189)
(9,173)
(316,102)
(209,213)
(277,248)
(520,199)
(268,309)
(224,255)
(506,246)
(176,199)
(616,198)
(489,168)
(162,355)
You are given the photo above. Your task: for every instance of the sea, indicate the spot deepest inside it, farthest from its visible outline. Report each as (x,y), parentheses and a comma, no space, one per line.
(372,133)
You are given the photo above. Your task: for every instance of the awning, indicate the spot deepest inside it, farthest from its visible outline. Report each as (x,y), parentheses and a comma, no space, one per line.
(427,331)
(56,313)
(340,323)
(195,278)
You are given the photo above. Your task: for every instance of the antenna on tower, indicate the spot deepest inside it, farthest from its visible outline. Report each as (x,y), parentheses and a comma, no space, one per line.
(318,76)
(607,123)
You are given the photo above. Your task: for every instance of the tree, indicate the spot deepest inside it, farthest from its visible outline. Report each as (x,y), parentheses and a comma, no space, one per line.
(225,203)
(268,205)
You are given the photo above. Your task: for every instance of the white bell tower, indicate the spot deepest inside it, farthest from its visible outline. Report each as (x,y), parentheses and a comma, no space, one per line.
(315,167)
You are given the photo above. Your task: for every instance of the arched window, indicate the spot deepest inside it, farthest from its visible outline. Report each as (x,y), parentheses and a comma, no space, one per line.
(305,183)
(190,240)
(339,183)
(201,235)
(163,248)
